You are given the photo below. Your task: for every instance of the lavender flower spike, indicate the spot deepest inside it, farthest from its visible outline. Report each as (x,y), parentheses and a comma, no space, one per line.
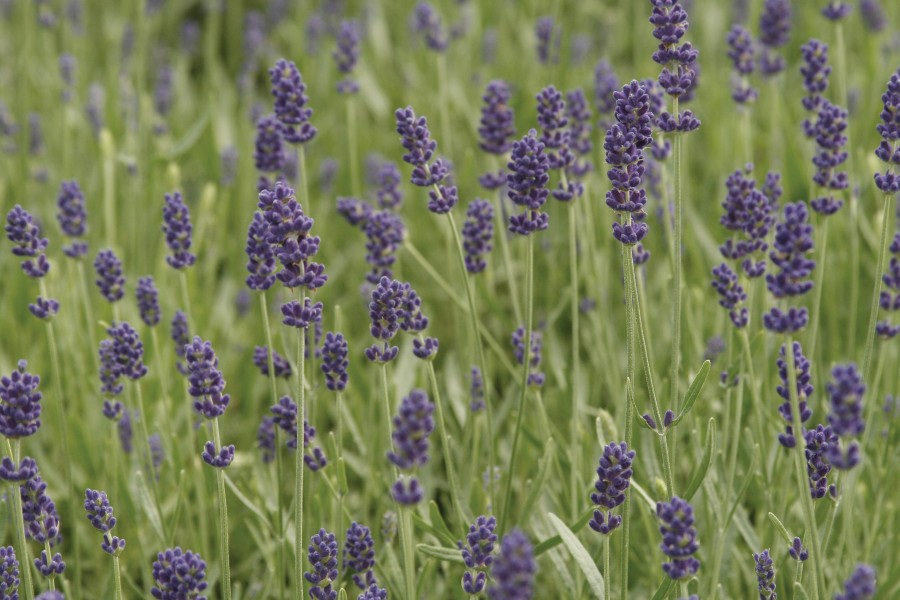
(477,232)
(889,129)
(25,235)
(427,22)
(290,102)
(846,394)
(478,553)
(513,570)
(804,391)
(613,478)
(100,514)
(206,382)
(9,573)
(148,301)
(412,426)
(359,555)
(323,558)
(109,276)
(334,361)
(527,182)
(860,585)
(765,575)
(177,228)
(179,574)
(679,537)
(72,217)
(416,140)
(20,403)
(347,54)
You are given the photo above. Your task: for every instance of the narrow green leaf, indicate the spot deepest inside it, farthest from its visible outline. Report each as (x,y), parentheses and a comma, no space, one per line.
(437,521)
(799,592)
(702,469)
(629,393)
(256,510)
(581,556)
(441,553)
(554,541)
(149,506)
(441,535)
(342,595)
(663,589)
(788,538)
(537,485)
(188,139)
(744,487)
(693,392)
(643,495)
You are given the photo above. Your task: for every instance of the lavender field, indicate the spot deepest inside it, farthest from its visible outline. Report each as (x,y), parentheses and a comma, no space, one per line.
(509,299)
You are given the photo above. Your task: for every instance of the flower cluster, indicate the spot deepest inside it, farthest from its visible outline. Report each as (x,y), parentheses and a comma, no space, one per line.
(819,444)
(624,144)
(845,393)
(860,585)
(828,131)
(290,96)
(889,130)
(126,352)
(110,279)
(890,300)
(606,82)
(347,54)
(281,365)
(389,194)
(260,255)
(872,13)
(613,478)
(555,134)
(289,235)
(385,232)
(793,241)
(748,216)
(359,555)
(427,23)
(775,30)
(177,228)
(334,361)
(323,556)
(181,338)
(527,181)
(742,51)
(413,423)
(178,575)
(206,382)
(478,553)
(535,377)
(815,71)
(765,575)
(72,217)
(477,233)
(38,510)
(548,40)
(20,403)
(285,418)
(9,573)
(731,294)
(25,235)
(395,306)
(513,570)
(678,59)
(269,154)
(148,301)
(679,537)
(476,390)
(804,391)
(580,132)
(416,140)
(497,129)
(100,514)
(301,314)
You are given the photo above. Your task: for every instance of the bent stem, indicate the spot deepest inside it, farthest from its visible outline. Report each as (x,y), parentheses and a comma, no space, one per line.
(223,520)
(879,269)
(526,358)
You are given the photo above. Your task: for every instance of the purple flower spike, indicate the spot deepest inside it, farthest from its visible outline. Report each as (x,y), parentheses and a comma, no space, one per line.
(742,52)
(290,102)
(206,381)
(220,459)
(731,294)
(181,338)
(269,156)
(555,134)
(478,553)
(44,309)
(100,514)
(334,361)
(613,478)
(815,71)
(828,131)
(148,301)
(261,360)
(872,13)
(72,217)
(427,23)
(384,234)
(513,570)
(477,390)
(412,426)
(322,555)
(178,575)
(373,592)
(425,349)
(804,391)
(845,418)
(25,235)
(679,537)
(527,181)
(497,119)
(265,439)
(109,275)
(347,54)
(39,511)
(819,442)
(127,351)
(793,241)
(860,585)
(680,71)
(606,82)
(260,255)
(765,575)
(388,178)
(301,315)
(477,233)
(535,378)
(289,234)
(580,133)
(548,40)
(177,228)
(357,212)
(50,567)
(9,573)
(775,30)
(359,555)
(20,403)
(797,551)
(889,129)
(835,11)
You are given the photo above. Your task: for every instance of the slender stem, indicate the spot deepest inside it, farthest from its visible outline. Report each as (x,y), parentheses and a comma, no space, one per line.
(577,401)
(85,299)
(279,474)
(185,296)
(108,150)
(817,300)
(352,145)
(879,269)
(117,575)
(298,460)
(479,351)
(51,581)
(304,179)
(445,103)
(503,236)
(674,399)
(607,585)
(809,515)
(409,557)
(13,448)
(447,447)
(154,487)
(223,519)
(627,263)
(526,358)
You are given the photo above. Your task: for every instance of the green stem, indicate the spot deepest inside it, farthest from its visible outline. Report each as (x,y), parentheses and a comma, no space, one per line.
(627,263)
(298,461)
(13,448)
(154,486)
(809,515)
(409,557)
(304,179)
(445,103)
(526,358)
(223,520)
(51,581)
(86,300)
(577,401)
(674,399)
(108,150)
(163,380)
(873,311)
(503,236)
(607,585)
(186,297)
(447,447)
(117,575)
(817,300)
(479,351)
